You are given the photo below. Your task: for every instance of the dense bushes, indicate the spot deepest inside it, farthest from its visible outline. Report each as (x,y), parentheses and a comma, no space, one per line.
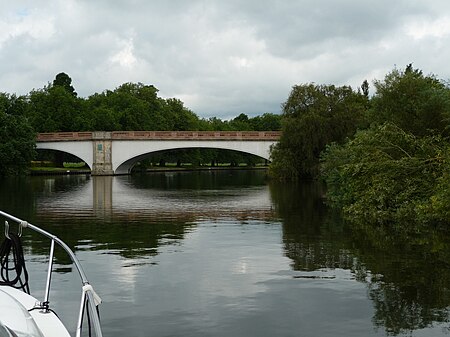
(385,175)
(394,170)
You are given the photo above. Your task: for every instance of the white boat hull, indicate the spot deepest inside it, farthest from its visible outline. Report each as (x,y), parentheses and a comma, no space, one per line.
(16,314)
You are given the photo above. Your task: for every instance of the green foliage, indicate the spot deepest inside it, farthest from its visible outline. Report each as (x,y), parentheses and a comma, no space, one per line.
(365,88)
(178,117)
(406,274)
(437,208)
(388,176)
(53,109)
(416,103)
(63,80)
(129,107)
(314,116)
(74,165)
(12,104)
(214,124)
(200,157)
(396,172)
(17,143)
(266,122)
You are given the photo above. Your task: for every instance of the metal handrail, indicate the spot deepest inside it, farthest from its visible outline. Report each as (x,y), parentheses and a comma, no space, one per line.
(88,296)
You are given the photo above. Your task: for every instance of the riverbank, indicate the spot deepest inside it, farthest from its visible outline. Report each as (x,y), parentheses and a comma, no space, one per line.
(64,171)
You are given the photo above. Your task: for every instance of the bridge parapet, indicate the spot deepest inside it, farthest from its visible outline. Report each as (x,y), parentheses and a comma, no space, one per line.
(63,136)
(159,135)
(196,135)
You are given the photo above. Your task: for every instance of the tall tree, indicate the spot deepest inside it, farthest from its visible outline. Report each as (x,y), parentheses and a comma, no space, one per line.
(178,117)
(63,80)
(314,116)
(54,109)
(365,88)
(416,103)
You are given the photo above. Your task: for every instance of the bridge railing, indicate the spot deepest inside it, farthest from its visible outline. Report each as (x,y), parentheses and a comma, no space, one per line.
(163,135)
(61,136)
(196,135)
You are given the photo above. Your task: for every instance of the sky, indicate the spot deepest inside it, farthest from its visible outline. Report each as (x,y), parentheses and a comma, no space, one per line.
(221,58)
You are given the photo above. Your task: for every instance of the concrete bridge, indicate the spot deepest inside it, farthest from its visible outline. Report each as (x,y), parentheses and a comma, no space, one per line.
(116,152)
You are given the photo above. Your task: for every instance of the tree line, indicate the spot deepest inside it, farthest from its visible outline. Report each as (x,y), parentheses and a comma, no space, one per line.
(132,106)
(385,158)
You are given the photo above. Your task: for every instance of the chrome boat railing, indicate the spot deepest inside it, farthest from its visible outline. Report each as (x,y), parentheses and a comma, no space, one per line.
(89,299)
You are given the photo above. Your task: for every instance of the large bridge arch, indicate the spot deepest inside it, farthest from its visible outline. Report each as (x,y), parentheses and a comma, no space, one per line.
(127,153)
(80,149)
(115,152)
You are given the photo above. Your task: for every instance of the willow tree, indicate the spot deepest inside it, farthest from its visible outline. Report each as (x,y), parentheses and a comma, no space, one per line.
(314,116)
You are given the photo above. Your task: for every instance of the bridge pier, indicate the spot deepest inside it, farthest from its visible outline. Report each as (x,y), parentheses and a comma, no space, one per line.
(102,163)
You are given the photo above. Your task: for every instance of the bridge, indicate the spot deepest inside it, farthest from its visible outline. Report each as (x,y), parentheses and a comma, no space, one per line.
(116,152)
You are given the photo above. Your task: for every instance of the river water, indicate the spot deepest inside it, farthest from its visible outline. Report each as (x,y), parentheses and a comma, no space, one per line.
(227,253)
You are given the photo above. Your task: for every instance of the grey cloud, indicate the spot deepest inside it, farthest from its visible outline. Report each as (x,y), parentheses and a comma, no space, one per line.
(220,57)
(296,29)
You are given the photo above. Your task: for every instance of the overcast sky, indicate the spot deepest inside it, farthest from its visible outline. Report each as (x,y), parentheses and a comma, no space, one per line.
(221,58)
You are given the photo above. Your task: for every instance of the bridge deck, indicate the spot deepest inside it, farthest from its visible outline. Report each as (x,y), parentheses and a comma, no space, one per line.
(161,135)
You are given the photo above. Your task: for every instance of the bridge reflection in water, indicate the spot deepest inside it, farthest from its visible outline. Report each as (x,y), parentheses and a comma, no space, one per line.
(109,197)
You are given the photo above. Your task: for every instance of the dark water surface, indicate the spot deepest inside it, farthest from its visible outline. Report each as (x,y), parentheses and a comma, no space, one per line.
(228,254)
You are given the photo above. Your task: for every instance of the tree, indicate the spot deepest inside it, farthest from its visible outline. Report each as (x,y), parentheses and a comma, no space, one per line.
(97,115)
(137,107)
(216,124)
(54,109)
(388,176)
(414,102)
(266,122)
(396,172)
(12,104)
(178,117)
(241,123)
(365,88)
(63,80)
(314,116)
(17,140)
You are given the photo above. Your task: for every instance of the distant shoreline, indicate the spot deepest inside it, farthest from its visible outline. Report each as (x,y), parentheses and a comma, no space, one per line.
(64,171)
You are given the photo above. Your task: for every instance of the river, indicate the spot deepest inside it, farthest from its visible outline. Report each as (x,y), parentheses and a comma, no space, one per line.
(228,253)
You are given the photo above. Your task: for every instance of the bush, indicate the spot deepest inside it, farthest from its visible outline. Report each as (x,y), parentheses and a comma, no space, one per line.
(74,165)
(388,176)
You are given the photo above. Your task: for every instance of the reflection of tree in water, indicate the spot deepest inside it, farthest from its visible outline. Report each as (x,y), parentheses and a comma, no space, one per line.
(399,309)
(407,276)
(129,239)
(15,192)
(410,282)
(199,180)
(310,238)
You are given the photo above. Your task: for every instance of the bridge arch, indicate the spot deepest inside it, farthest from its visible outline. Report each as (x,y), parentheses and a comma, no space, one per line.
(81,149)
(128,153)
(115,152)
